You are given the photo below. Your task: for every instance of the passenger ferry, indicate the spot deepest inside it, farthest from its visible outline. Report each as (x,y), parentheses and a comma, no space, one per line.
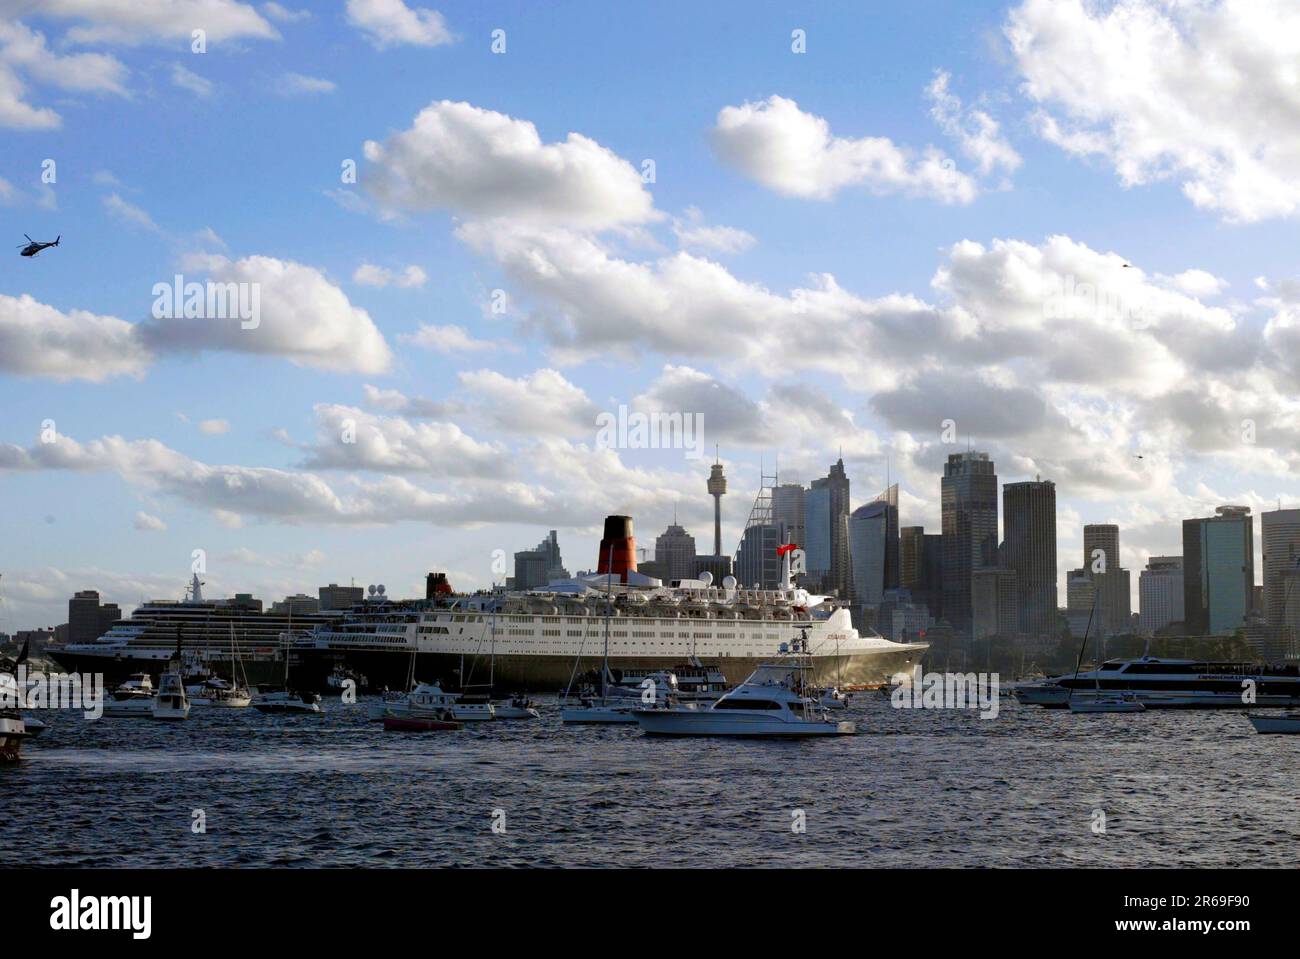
(1160,683)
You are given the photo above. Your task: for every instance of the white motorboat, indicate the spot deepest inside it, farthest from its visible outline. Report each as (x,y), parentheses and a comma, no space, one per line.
(594,712)
(132,699)
(12,733)
(1047,694)
(429,699)
(1285,723)
(1106,702)
(286,701)
(773,701)
(13,729)
(518,707)
(832,698)
(218,692)
(171,702)
(137,699)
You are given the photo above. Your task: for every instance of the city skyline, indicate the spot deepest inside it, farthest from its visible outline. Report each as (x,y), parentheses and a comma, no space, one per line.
(920,274)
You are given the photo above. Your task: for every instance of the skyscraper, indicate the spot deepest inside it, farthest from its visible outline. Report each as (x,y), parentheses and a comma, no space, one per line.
(867,531)
(1280,535)
(970,530)
(817,549)
(538,566)
(1112,582)
(675,553)
(789,512)
(994,602)
(911,556)
(1218,571)
(1104,537)
(1029,521)
(87,619)
(836,491)
(1160,594)
(873,548)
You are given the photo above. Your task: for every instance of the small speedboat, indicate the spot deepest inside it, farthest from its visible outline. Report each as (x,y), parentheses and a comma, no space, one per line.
(592,712)
(429,699)
(1047,694)
(419,724)
(1285,723)
(519,707)
(832,698)
(218,692)
(1106,702)
(287,701)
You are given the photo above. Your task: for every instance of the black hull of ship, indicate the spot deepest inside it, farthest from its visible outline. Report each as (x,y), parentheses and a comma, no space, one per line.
(118,668)
(541,674)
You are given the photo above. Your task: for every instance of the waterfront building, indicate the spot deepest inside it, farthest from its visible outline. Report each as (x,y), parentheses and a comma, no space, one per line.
(874,548)
(674,554)
(1029,548)
(335,596)
(535,568)
(789,512)
(827,518)
(1218,571)
(1280,540)
(970,530)
(87,618)
(994,602)
(1160,594)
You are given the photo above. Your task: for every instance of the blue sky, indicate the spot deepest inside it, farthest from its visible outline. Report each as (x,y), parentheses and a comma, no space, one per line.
(1088,123)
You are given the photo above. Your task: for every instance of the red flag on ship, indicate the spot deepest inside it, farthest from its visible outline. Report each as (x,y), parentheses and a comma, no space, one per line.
(785,548)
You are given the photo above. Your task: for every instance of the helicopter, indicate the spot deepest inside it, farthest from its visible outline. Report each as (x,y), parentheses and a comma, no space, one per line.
(32,247)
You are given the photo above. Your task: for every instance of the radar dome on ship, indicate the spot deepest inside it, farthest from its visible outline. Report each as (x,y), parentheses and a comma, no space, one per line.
(706,578)
(729,582)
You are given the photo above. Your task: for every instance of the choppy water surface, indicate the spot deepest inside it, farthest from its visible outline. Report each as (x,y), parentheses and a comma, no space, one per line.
(914,788)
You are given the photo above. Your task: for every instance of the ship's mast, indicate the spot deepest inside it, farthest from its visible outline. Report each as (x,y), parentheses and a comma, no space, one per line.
(609,609)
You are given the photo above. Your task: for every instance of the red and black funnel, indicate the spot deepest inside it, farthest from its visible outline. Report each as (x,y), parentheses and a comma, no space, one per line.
(617,548)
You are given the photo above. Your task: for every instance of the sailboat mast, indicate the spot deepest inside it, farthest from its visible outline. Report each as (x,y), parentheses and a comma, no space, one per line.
(609,609)
(288,638)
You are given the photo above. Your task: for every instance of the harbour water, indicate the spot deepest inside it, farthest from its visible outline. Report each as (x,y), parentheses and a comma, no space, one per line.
(914,788)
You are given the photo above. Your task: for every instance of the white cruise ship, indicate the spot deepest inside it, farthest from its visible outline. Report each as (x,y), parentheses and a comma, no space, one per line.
(537,640)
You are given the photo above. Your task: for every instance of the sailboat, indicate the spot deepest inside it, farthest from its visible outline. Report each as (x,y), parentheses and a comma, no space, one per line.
(519,706)
(1110,701)
(215,691)
(587,710)
(427,700)
(286,700)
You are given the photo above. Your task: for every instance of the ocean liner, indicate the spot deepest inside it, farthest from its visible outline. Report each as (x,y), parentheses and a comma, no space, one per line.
(207,630)
(537,639)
